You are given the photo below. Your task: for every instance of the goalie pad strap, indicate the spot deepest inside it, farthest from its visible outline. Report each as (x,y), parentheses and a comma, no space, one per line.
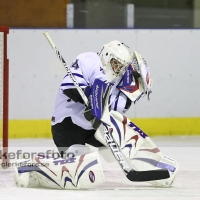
(128,103)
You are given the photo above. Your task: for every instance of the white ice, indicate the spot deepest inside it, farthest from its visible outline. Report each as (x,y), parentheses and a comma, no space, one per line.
(186,150)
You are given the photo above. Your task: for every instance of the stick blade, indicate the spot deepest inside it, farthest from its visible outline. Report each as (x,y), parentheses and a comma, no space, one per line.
(151,175)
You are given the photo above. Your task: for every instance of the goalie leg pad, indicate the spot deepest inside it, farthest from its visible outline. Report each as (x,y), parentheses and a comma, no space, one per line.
(84,171)
(28,179)
(172,166)
(77,150)
(138,148)
(106,154)
(123,133)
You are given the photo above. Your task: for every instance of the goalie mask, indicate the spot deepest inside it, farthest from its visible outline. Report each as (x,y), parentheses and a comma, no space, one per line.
(115,59)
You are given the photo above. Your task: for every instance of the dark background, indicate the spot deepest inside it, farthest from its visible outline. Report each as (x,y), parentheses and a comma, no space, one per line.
(97,13)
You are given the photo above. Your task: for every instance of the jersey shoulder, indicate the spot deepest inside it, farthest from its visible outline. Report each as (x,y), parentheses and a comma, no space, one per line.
(89,62)
(89,58)
(91,66)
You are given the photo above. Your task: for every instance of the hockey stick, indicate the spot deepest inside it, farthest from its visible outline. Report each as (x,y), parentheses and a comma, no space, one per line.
(131,174)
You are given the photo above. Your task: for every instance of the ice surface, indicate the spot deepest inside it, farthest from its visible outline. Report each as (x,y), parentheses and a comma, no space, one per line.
(186,150)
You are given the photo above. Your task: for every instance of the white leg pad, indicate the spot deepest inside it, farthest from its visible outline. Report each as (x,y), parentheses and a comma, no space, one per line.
(172,166)
(77,150)
(138,148)
(84,171)
(106,154)
(28,179)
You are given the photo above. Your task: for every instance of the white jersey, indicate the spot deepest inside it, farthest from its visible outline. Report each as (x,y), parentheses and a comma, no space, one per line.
(86,68)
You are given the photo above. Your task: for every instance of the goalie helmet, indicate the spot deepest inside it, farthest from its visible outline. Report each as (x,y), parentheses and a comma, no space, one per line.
(115,59)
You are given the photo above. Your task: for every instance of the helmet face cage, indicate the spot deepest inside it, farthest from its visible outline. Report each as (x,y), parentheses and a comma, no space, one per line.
(115,59)
(117,65)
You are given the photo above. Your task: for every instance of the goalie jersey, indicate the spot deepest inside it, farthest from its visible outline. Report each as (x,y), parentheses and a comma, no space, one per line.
(86,68)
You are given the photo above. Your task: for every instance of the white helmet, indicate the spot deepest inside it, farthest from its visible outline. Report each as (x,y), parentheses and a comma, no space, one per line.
(115,59)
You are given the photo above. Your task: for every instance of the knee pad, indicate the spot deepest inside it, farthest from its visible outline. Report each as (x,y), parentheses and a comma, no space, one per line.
(106,154)
(76,150)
